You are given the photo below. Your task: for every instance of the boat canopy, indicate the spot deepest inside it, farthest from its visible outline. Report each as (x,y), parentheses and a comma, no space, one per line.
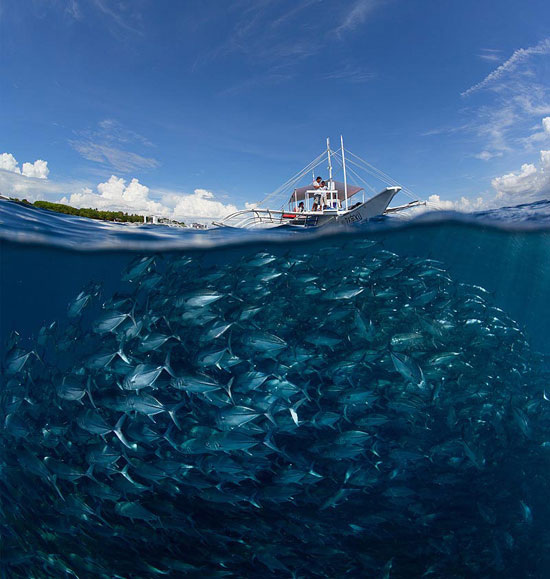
(300,194)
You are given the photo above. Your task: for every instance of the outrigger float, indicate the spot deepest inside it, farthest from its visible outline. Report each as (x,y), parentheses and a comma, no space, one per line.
(340,203)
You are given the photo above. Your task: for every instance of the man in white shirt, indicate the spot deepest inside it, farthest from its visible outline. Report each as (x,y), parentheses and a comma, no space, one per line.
(322,189)
(317,197)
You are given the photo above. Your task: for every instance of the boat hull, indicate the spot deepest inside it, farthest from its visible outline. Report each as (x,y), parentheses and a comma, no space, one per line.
(370,209)
(271,219)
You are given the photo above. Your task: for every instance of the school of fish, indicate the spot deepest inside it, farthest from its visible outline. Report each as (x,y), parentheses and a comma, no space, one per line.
(335,412)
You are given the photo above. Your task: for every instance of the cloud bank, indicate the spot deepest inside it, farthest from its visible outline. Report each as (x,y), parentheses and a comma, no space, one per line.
(134,197)
(464,204)
(37,170)
(529,184)
(30,181)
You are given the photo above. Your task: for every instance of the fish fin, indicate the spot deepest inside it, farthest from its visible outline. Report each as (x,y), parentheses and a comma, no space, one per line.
(270,443)
(118,432)
(132,314)
(124,472)
(269,413)
(227,387)
(252,500)
(53,481)
(229,343)
(89,391)
(172,413)
(168,437)
(120,353)
(167,365)
(90,473)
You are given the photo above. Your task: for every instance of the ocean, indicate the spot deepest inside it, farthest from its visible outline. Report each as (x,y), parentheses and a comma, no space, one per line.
(369,402)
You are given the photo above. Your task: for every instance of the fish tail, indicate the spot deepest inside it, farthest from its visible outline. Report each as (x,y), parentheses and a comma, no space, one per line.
(118,432)
(54,484)
(172,413)
(167,365)
(89,391)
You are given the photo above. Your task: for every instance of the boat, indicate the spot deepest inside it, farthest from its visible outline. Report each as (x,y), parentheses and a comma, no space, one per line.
(339,203)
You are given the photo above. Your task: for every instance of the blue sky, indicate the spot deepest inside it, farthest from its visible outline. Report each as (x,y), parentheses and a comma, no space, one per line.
(202,106)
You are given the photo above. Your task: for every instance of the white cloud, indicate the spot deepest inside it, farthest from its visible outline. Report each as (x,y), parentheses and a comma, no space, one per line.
(121,14)
(356,16)
(538,137)
(354,74)
(490,54)
(528,184)
(107,144)
(37,170)
(9,163)
(463,204)
(487,155)
(14,184)
(113,157)
(31,182)
(519,56)
(116,195)
(199,204)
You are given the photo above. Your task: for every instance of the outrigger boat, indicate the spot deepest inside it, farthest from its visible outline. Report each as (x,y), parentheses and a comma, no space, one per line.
(340,204)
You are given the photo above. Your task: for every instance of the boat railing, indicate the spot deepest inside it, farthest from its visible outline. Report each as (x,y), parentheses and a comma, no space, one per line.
(247,218)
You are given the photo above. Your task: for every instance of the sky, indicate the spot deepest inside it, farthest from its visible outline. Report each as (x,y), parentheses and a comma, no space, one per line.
(196,108)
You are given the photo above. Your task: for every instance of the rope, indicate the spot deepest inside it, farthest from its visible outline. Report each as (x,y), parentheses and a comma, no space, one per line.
(382,176)
(357,176)
(352,159)
(296,177)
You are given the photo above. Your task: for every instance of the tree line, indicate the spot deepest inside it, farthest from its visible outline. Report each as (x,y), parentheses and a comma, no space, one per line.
(90,213)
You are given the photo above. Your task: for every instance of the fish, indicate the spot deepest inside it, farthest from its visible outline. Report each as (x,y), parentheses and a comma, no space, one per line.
(71,388)
(283,411)
(408,368)
(137,268)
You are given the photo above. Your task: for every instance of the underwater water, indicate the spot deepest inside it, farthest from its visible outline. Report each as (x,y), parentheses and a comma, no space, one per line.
(364,403)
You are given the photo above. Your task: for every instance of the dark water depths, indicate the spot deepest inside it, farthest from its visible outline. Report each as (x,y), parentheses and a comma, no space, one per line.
(369,402)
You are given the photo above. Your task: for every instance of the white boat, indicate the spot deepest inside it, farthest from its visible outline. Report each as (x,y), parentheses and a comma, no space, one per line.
(338,203)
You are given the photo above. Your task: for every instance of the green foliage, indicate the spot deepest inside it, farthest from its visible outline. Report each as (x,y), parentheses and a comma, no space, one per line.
(90,213)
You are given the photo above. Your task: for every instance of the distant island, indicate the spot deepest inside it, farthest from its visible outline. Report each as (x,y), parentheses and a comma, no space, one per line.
(117,216)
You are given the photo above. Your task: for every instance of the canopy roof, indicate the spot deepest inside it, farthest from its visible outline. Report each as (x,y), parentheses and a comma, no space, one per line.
(300,193)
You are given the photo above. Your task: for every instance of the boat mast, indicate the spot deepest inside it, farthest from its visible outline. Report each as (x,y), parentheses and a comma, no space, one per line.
(329,163)
(344,167)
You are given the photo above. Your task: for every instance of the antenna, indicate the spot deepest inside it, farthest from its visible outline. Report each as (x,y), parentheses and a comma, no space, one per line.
(344,167)
(329,163)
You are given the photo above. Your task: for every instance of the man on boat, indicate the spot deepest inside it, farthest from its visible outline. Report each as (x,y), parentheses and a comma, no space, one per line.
(323,196)
(317,185)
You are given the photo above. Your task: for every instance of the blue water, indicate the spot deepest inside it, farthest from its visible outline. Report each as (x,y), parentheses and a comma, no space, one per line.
(400,428)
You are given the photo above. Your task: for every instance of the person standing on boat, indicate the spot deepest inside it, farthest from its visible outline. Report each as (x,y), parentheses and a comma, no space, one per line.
(317,184)
(323,196)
